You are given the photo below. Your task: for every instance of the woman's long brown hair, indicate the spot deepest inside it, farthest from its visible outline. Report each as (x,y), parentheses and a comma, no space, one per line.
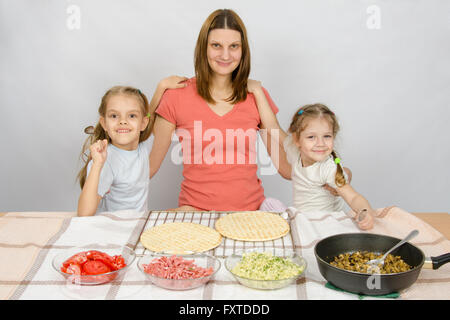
(222,19)
(98,133)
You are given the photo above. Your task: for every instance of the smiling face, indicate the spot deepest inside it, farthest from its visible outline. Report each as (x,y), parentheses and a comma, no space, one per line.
(316,141)
(124,120)
(224,51)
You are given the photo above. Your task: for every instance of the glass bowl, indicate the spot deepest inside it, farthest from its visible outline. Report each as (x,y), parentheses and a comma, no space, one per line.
(126,253)
(232,260)
(200,259)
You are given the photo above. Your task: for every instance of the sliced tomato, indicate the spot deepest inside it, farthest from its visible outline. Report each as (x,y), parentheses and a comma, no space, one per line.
(95,254)
(103,257)
(95,267)
(78,258)
(93,263)
(118,262)
(72,269)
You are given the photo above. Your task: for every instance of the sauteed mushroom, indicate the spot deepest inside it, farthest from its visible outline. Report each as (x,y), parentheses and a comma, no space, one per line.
(357,262)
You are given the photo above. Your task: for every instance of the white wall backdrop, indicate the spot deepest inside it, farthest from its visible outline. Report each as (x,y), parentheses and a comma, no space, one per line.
(383,66)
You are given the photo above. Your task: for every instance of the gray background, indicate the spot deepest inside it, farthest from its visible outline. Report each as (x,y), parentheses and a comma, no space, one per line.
(389,87)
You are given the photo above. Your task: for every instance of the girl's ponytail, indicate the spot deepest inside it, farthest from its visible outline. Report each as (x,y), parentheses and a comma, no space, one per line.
(339,178)
(97,133)
(151,115)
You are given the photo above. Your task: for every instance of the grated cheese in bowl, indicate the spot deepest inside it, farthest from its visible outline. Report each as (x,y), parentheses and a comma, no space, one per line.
(266,270)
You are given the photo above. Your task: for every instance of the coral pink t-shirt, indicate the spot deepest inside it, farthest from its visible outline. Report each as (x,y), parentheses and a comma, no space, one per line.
(219,152)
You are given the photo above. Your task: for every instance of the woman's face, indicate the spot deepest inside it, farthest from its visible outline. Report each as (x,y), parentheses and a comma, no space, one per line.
(224,51)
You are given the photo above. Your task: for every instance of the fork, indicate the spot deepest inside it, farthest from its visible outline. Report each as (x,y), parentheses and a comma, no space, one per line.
(376,262)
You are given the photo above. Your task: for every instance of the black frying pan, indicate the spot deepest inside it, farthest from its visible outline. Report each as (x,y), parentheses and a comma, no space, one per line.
(326,249)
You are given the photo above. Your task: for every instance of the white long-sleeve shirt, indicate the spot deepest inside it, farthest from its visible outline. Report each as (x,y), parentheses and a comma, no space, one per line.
(307,182)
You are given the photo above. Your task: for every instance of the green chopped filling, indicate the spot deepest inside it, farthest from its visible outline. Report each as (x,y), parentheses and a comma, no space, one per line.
(265,266)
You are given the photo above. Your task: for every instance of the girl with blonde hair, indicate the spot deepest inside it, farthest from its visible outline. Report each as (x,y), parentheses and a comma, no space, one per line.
(309,152)
(115,175)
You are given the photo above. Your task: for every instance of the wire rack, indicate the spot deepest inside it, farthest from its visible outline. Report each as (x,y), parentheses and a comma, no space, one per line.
(209,218)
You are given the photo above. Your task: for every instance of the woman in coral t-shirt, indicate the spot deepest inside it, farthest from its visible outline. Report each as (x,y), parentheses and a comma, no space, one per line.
(217,122)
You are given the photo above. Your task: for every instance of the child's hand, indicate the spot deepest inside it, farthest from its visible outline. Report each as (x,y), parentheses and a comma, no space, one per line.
(364,219)
(98,151)
(253,85)
(173,82)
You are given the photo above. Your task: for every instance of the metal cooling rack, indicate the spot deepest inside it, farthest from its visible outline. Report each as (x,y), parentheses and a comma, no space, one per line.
(209,218)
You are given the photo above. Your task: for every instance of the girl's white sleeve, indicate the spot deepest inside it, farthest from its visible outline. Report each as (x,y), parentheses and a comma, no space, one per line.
(106,178)
(328,173)
(292,152)
(147,145)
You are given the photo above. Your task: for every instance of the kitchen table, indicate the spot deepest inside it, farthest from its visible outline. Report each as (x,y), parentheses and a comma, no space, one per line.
(30,240)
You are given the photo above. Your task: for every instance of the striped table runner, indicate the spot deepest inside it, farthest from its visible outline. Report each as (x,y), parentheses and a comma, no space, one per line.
(30,240)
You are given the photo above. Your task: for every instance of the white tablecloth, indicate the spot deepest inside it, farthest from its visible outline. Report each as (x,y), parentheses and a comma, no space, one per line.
(29,241)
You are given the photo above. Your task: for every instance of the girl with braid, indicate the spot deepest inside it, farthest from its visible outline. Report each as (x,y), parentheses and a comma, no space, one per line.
(309,151)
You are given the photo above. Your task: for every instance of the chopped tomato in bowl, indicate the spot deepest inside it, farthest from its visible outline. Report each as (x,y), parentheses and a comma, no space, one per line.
(88,266)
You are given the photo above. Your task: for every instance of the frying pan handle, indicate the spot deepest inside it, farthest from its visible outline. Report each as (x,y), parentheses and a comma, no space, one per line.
(440,260)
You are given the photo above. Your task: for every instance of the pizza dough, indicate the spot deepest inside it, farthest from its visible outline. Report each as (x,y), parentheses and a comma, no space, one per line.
(252,226)
(180,237)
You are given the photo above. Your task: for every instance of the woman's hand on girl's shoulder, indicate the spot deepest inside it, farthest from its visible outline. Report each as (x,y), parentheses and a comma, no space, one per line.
(98,151)
(173,82)
(253,85)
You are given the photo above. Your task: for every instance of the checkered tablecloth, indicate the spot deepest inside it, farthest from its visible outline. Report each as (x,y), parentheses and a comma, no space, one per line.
(30,240)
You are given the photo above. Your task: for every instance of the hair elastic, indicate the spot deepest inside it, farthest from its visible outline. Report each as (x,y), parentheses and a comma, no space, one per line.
(300,112)
(337,160)
(148,115)
(89,130)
